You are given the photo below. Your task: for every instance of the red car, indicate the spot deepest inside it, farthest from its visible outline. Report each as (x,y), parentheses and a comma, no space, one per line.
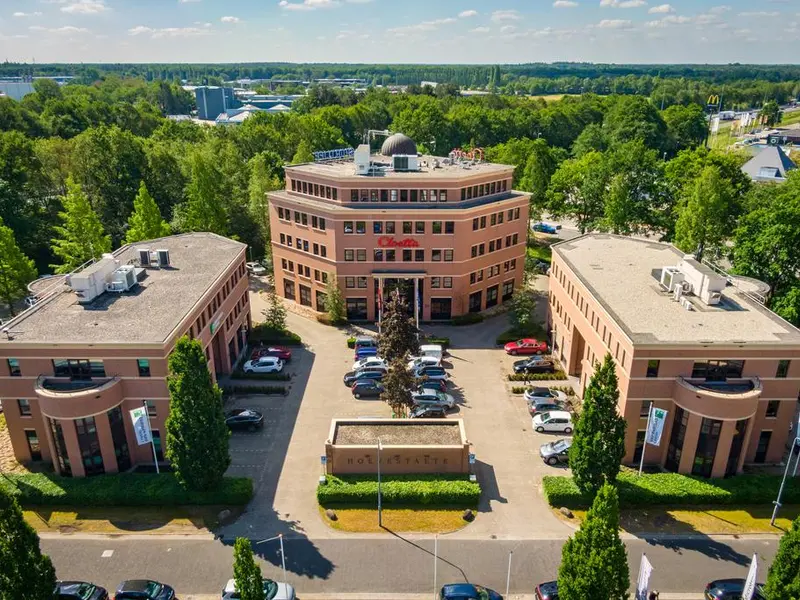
(525,346)
(282,353)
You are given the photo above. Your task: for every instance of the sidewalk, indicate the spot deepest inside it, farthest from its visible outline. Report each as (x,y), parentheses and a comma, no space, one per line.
(662,596)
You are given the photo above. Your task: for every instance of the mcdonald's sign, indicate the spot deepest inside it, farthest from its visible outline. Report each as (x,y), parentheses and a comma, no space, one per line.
(713,100)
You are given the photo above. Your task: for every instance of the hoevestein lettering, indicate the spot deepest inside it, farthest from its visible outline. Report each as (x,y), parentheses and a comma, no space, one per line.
(386,241)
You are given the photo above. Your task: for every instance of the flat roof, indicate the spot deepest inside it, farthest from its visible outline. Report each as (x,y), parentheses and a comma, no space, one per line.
(621,273)
(406,432)
(146,314)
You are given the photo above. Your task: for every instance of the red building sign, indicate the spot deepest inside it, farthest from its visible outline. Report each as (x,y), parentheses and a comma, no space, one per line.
(386,241)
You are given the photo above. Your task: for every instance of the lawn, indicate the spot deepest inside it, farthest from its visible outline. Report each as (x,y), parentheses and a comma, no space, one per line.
(539,250)
(2,422)
(183,520)
(410,520)
(790,118)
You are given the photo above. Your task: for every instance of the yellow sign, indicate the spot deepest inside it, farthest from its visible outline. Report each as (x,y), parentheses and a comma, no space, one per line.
(713,100)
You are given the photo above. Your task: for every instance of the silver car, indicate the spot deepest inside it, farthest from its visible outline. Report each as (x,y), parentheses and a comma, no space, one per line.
(273,590)
(431,397)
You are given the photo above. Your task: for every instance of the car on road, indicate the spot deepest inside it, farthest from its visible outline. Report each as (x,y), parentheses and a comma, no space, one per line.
(79,590)
(534,365)
(273,590)
(371,362)
(731,589)
(534,407)
(256,269)
(143,589)
(546,591)
(428,412)
(265,364)
(544,394)
(546,228)
(423,361)
(555,421)
(278,351)
(244,418)
(352,376)
(526,346)
(430,373)
(467,591)
(430,397)
(556,452)
(367,388)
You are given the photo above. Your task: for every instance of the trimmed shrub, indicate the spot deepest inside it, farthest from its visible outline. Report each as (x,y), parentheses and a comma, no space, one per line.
(467,319)
(564,388)
(444,342)
(121,489)
(238,374)
(267,335)
(351,343)
(400,490)
(269,390)
(672,489)
(559,375)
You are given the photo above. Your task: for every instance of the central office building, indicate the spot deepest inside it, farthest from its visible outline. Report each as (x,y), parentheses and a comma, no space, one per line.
(447,231)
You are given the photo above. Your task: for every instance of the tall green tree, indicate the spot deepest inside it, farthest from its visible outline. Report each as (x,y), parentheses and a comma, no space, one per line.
(16,269)
(205,204)
(304,153)
(246,572)
(783,580)
(334,301)
(264,177)
(145,223)
(577,190)
(25,573)
(686,126)
(771,113)
(632,118)
(598,444)
(275,312)
(80,237)
(398,331)
(787,304)
(197,436)
(594,562)
(397,385)
(523,305)
(592,138)
(540,165)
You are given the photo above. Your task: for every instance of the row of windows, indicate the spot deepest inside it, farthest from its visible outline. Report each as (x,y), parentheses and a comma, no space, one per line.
(398,195)
(484,189)
(719,370)
(196,329)
(494,245)
(390,255)
(24,407)
(302,218)
(314,189)
(303,245)
(494,219)
(493,271)
(408,227)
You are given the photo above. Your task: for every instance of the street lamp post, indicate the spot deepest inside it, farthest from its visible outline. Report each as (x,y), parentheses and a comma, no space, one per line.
(777,502)
(278,537)
(380,512)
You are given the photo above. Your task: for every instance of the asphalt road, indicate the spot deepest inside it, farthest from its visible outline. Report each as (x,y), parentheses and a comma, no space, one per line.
(389,565)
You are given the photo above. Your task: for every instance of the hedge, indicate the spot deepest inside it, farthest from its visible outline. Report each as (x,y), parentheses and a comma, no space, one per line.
(512,335)
(467,319)
(673,489)
(400,490)
(557,376)
(122,489)
(270,390)
(267,335)
(444,342)
(520,389)
(239,374)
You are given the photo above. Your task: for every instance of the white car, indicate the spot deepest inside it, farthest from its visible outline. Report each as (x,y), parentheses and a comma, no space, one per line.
(273,590)
(370,362)
(255,269)
(543,395)
(555,421)
(265,364)
(423,361)
(432,350)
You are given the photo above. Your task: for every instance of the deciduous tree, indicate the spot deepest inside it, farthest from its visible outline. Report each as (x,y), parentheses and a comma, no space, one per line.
(16,269)
(205,208)
(398,330)
(783,580)
(197,436)
(246,572)
(577,190)
(397,385)
(304,153)
(334,301)
(522,306)
(275,313)
(145,222)
(686,126)
(770,113)
(80,237)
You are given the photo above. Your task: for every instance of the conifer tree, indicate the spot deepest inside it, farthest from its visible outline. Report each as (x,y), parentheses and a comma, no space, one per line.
(397,385)
(398,331)
(16,269)
(145,222)
(783,580)
(246,572)
(80,237)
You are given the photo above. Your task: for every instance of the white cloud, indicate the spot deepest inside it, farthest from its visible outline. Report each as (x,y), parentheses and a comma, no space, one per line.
(86,7)
(230,19)
(661,9)
(614,24)
(66,29)
(171,32)
(23,14)
(670,20)
(759,13)
(505,15)
(718,10)
(307,4)
(506,29)
(480,30)
(564,4)
(465,14)
(187,1)
(421,27)
(623,3)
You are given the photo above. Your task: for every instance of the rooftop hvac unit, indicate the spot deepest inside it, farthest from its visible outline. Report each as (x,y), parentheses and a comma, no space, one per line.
(711,298)
(163,257)
(671,277)
(361,159)
(122,279)
(405,162)
(144,256)
(687,304)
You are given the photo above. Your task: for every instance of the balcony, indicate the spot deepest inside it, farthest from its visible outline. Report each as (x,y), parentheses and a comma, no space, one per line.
(64,398)
(729,400)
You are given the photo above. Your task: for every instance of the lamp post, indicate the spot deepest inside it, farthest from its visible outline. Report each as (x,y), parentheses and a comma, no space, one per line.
(777,502)
(278,537)
(380,512)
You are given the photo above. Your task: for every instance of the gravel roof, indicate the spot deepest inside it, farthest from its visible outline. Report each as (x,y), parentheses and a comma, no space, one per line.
(442,433)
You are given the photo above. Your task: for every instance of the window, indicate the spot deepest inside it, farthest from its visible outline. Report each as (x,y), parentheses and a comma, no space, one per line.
(448,256)
(361,227)
(314,222)
(406,255)
(305,245)
(13,367)
(475,224)
(304,217)
(483,222)
(24,407)
(447,282)
(157,445)
(772,409)
(389,226)
(407,227)
(514,238)
(384,195)
(373,195)
(349,255)
(436,227)
(78,368)
(423,195)
(436,283)
(288,240)
(89,445)
(296,217)
(436,255)
(34,448)
(353,195)
(508,290)
(419,227)
(500,214)
(357,309)
(305,295)
(348,227)
(349,282)
(361,282)
(491,246)
(283,239)
(481,249)
(403,195)
(442,195)
(323,251)
(433,196)
(474,251)
(393,196)
(321,299)
(652,368)
(378,255)
(449,227)
(316,249)
(419,255)
(473,278)
(644,409)
(639,447)
(144,367)
(288,289)
(493,219)
(377,227)
(361,255)
(706,447)
(390,255)
(491,296)
(783,369)
(764,439)
(322,223)
(151,408)
(717,370)
(316,275)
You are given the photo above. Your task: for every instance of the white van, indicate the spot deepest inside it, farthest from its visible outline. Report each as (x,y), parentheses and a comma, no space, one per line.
(434,350)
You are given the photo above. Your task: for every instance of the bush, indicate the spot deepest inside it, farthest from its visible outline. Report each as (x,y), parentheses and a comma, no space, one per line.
(401,490)
(444,342)
(325,319)
(672,489)
(467,319)
(564,388)
(534,330)
(122,489)
(238,374)
(559,375)
(281,337)
(351,343)
(269,390)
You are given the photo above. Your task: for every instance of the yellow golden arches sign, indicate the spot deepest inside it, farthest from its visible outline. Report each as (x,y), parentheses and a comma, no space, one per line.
(713,100)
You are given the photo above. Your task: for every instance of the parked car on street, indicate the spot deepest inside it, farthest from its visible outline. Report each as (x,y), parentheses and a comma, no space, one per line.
(534,366)
(79,590)
(256,269)
(367,388)
(534,407)
(422,361)
(265,364)
(430,373)
(283,353)
(556,452)
(428,412)
(731,589)
(526,346)
(429,397)
(244,418)
(143,589)
(544,394)
(555,421)
(467,591)
(371,362)
(352,376)
(546,228)
(273,590)
(546,591)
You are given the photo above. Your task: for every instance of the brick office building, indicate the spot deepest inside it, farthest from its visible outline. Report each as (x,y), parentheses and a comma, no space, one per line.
(95,345)
(450,228)
(693,341)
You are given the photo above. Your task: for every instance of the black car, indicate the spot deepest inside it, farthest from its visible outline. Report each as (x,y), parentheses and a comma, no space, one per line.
(143,589)
(244,418)
(352,376)
(367,388)
(731,589)
(428,412)
(546,591)
(79,590)
(467,591)
(534,365)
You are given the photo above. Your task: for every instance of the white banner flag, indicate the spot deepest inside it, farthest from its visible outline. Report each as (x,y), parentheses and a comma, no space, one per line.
(643,583)
(141,426)
(658,416)
(715,124)
(750,582)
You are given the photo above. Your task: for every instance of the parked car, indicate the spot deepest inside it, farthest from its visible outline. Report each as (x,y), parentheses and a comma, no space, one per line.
(544,394)
(273,590)
(143,589)
(371,362)
(265,364)
(526,346)
(432,350)
(431,373)
(283,353)
(79,590)
(244,418)
(546,591)
(556,452)
(365,342)
(467,591)
(352,376)
(256,269)
(436,386)
(421,361)
(367,388)
(555,421)
(534,407)
(365,352)
(546,227)
(428,412)
(429,397)
(534,366)
(731,589)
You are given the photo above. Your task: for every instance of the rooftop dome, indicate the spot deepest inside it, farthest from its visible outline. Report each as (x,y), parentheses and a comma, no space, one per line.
(398,143)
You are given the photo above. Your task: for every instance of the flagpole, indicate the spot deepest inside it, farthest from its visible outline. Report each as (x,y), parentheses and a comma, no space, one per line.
(644,442)
(152,440)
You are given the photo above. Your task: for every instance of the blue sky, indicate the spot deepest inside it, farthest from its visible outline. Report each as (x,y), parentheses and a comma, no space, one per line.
(374,31)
